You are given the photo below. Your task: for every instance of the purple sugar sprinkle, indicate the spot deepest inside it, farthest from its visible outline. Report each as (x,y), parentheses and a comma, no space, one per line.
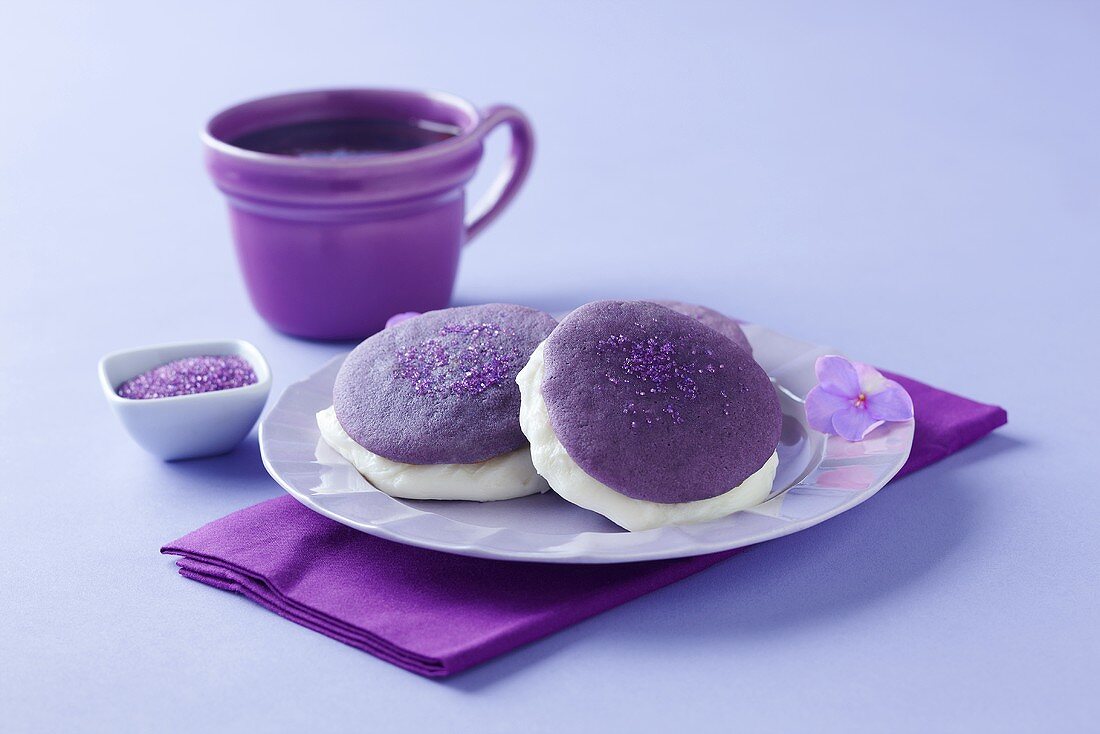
(189,376)
(656,367)
(465,359)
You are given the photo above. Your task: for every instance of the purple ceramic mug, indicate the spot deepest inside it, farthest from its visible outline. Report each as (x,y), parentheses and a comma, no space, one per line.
(332,245)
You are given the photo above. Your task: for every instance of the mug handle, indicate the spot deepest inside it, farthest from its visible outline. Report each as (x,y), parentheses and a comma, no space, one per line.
(508,182)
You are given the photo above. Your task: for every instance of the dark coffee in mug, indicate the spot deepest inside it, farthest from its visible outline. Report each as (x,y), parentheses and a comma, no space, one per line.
(347,137)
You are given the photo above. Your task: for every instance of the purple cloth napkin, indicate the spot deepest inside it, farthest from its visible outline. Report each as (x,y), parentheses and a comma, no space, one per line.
(435,613)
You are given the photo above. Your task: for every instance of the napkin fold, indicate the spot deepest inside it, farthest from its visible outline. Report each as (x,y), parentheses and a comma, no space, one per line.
(435,613)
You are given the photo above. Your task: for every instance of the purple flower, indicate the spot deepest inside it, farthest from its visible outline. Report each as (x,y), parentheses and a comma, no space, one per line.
(852,399)
(397,318)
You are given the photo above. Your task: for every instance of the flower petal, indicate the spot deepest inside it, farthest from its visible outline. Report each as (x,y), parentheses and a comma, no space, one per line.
(837,375)
(871,380)
(854,423)
(892,403)
(397,318)
(820,406)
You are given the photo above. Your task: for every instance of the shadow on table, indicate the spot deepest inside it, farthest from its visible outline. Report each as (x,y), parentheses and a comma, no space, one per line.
(241,470)
(799,581)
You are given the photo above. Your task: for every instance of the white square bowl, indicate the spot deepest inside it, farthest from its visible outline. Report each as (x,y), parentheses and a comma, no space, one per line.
(186,426)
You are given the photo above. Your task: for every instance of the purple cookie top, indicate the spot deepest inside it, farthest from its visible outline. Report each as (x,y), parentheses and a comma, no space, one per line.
(440,388)
(656,405)
(721,323)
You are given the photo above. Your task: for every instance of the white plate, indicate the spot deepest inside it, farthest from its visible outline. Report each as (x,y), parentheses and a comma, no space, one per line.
(816,479)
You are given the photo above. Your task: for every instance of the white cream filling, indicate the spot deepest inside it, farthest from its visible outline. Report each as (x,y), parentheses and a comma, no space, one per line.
(571,482)
(502,477)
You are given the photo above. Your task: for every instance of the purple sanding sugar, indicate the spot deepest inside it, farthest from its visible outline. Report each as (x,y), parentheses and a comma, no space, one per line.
(659,367)
(655,404)
(464,358)
(189,376)
(440,388)
(724,325)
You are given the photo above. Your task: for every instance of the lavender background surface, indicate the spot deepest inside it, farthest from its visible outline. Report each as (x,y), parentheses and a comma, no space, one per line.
(917,185)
